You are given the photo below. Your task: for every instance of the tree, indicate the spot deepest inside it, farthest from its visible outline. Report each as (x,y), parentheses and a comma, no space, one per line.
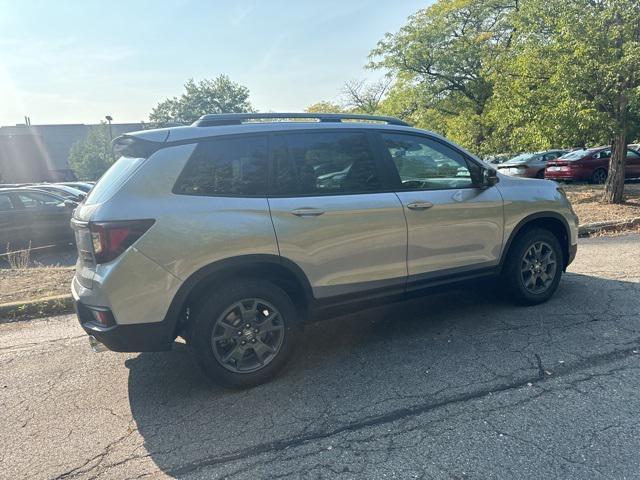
(91,157)
(325,107)
(218,95)
(362,97)
(587,52)
(443,59)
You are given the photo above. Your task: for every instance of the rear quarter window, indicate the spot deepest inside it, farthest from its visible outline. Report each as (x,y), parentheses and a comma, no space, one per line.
(229,166)
(113,179)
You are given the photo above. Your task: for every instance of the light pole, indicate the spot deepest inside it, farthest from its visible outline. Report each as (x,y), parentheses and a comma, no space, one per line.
(109,118)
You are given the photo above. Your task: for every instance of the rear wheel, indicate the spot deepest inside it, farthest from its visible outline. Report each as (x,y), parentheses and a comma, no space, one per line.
(540,174)
(244,333)
(599,176)
(533,267)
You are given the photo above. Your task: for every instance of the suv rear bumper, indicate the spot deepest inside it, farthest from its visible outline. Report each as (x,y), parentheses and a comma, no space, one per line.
(140,337)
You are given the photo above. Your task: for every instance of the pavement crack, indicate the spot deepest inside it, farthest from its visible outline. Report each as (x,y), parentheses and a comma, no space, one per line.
(395,415)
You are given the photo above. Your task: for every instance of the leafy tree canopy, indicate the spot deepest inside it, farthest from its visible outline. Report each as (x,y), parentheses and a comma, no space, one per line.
(91,157)
(325,107)
(218,95)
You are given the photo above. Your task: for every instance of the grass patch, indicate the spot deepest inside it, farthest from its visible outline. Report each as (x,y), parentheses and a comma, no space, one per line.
(585,200)
(26,284)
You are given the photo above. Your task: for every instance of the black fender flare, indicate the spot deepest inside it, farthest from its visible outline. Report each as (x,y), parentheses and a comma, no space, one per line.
(526,221)
(176,308)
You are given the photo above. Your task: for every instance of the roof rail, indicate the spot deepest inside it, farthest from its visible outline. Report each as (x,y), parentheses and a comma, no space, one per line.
(239,118)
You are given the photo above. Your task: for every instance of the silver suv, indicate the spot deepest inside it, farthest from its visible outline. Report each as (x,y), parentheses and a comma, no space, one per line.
(234,232)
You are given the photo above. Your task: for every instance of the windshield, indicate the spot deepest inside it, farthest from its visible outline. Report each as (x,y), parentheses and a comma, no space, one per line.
(113,179)
(523,157)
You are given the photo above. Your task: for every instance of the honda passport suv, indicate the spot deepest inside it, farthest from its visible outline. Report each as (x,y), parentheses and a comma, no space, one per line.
(234,232)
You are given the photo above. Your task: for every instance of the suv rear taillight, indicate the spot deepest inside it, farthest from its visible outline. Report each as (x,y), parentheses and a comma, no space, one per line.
(110,239)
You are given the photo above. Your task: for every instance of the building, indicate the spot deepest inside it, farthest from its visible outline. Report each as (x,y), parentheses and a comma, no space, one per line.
(40,153)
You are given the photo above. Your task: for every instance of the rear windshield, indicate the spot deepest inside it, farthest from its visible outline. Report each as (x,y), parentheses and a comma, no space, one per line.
(523,157)
(575,155)
(113,179)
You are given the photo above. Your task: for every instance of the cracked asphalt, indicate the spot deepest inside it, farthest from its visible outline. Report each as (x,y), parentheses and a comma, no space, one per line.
(458,385)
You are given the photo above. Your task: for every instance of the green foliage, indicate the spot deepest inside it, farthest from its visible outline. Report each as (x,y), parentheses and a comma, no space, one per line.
(91,157)
(569,66)
(509,75)
(443,61)
(325,107)
(218,95)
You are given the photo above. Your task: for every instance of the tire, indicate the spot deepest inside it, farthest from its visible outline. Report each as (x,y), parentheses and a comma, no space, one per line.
(540,174)
(238,355)
(599,176)
(526,281)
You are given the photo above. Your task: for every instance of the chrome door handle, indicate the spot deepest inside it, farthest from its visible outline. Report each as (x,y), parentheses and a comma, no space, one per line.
(307,212)
(419,205)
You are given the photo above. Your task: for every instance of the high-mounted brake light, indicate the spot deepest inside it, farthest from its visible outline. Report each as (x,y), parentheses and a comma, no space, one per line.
(110,239)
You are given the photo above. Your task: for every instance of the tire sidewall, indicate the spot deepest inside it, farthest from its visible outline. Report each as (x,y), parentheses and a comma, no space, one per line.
(593,176)
(513,276)
(213,306)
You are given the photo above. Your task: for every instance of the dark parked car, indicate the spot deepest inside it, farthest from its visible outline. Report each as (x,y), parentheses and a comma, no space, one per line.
(590,165)
(63,191)
(82,186)
(529,165)
(30,215)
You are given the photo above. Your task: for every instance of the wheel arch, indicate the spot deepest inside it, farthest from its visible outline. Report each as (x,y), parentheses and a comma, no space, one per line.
(281,271)
(593,172)
(552,221)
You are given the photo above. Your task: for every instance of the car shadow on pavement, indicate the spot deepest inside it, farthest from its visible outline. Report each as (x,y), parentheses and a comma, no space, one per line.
(377,365)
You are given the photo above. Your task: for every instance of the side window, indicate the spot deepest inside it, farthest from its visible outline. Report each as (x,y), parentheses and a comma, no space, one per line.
(323,163)
(632,154)
(5,203)
(36,199)
(426,164)
(603,154)
(226,166)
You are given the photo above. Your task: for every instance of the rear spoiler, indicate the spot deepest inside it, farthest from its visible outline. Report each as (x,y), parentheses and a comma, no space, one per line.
(130,146)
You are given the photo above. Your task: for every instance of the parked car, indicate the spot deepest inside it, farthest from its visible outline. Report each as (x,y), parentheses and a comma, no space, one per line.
(529,165)
(498,159)
(82,186)
(33,216)
(590,165)
(228,233)
(62,190)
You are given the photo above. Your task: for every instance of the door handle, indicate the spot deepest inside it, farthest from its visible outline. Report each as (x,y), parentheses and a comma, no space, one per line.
(307,212)
(419,205)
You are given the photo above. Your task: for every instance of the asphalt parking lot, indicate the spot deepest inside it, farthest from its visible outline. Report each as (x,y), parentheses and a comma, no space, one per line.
(458,385)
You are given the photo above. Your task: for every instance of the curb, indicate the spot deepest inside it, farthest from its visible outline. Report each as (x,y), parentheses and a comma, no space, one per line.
(590,228)
(32,309)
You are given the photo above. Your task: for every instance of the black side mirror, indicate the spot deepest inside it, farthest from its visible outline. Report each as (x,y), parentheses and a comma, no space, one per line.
(489,177)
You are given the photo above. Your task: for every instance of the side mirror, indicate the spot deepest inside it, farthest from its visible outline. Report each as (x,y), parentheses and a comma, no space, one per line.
(70,204)
(489,177)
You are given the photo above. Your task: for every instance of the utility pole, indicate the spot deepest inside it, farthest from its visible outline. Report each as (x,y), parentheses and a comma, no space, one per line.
(109,118)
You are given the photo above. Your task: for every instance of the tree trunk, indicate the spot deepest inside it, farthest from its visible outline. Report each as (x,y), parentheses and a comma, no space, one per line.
(614,186)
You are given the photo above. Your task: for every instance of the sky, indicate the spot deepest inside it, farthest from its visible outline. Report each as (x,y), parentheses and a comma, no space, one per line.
(77,61)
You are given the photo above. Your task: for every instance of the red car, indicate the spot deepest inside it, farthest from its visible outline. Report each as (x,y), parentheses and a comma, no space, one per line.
(589,165)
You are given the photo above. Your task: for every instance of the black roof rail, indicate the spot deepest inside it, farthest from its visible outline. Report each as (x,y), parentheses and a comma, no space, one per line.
(239,118)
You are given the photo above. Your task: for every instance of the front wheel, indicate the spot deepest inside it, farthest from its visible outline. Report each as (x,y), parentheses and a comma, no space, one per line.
(244,332)
(533,267)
